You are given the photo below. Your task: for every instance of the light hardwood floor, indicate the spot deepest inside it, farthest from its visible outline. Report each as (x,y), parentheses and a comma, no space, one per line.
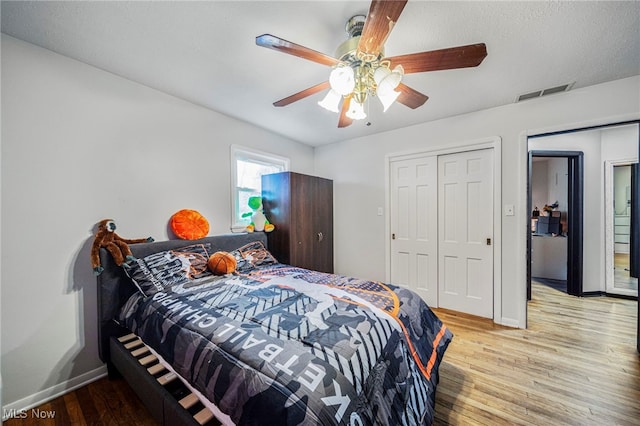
(621,276)
(576,364)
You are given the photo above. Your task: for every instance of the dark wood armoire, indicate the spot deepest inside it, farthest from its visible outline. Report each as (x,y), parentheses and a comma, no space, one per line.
(301,208)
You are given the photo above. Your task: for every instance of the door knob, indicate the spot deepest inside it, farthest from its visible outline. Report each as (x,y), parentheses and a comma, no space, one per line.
(320,236)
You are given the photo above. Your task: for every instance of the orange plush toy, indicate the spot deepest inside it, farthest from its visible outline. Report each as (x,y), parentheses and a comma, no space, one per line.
(189,225)
(222,263)
(115,244)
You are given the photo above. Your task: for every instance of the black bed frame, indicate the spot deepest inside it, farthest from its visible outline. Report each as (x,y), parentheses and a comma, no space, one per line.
(114,288)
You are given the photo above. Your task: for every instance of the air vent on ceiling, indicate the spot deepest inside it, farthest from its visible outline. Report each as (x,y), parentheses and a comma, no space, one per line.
(544,92)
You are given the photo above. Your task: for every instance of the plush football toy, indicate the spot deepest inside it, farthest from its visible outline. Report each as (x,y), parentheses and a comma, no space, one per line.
(115,244)
(259,221)
(222,263)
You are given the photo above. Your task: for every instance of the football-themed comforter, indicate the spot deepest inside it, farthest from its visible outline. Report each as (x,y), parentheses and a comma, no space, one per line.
(280,345)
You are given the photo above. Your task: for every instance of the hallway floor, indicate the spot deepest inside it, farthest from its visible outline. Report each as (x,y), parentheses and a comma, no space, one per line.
(621,274)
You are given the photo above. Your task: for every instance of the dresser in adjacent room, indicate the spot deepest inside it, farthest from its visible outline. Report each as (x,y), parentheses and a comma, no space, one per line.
(301,208)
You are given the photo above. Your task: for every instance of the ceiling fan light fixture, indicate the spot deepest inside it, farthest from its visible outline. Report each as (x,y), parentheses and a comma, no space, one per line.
(398,69)
(356,111)
(380,74)
(388,80)
(331,101)
(342,80)
(361,69)
(387,99)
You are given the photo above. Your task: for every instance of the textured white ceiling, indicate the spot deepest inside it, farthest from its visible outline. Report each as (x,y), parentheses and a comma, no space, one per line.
(205,52)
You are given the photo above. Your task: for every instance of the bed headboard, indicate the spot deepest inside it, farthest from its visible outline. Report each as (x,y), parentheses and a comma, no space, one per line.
(115,287)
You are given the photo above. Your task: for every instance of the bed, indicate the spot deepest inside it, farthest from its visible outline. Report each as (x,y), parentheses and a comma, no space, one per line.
(268,344)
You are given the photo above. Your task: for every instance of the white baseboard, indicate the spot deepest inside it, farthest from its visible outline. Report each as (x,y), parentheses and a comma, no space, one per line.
(55,391)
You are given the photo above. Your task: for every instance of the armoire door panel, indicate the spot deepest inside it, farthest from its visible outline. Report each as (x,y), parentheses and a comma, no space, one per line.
(276,201)
(323,234)
(303,206)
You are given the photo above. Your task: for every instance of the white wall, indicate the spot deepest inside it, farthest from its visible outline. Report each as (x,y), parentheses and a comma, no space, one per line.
(549,183)
(80,145)
(615,143)
(539,184)
(558,185)
(357,167)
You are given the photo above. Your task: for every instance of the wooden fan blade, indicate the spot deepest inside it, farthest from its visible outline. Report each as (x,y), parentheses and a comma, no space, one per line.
(410,97)
(383,15)
(444,59)
(302,94)
(281,45)
(345,121)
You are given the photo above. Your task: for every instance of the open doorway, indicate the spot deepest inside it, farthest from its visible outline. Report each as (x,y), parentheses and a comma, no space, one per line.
(554,249)
(600,145)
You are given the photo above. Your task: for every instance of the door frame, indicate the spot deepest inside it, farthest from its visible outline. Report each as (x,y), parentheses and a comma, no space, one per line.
(634,232)
(494,143)
(575,217)
(609,216)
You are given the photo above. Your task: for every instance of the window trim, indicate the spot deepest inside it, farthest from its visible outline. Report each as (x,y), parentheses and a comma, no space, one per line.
(242,152)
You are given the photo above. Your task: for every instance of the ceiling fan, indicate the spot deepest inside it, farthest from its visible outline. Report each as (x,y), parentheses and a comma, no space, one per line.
(360,69)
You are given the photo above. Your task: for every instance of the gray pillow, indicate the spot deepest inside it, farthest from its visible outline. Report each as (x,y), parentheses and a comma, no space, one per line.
(162,270)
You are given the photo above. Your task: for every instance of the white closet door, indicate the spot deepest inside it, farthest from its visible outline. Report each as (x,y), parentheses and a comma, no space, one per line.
(465,222)
(414,226)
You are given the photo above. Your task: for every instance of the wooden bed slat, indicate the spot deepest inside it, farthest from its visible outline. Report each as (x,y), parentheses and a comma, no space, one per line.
(126,337)
(203,416)
(133,344)
(155,369)
(167,378)
(189,401)
(144,349)
(148,359)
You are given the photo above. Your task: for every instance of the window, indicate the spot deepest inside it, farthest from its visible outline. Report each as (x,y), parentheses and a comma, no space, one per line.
(247,169)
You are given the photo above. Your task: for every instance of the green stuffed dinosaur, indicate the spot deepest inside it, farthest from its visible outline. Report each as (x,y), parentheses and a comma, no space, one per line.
(259,221)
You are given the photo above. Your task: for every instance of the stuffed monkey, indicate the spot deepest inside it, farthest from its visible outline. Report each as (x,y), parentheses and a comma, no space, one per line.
(115,244)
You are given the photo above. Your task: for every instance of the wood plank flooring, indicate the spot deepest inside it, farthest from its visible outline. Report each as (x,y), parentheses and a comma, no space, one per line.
(576,364)
(621,276)
(101,403)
